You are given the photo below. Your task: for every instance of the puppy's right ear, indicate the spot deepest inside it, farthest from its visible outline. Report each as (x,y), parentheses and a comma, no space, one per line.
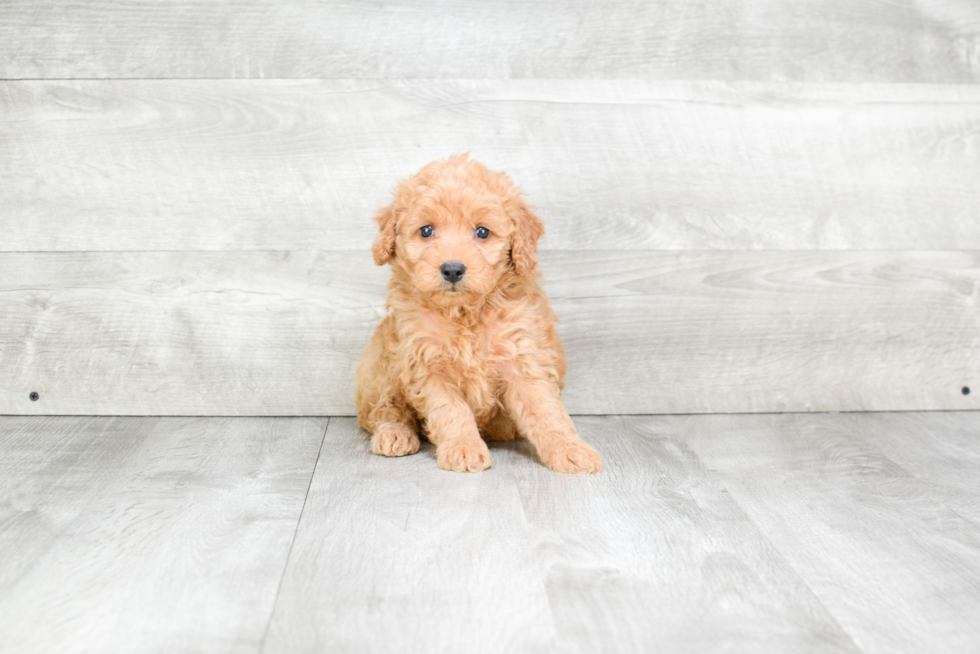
(384,246)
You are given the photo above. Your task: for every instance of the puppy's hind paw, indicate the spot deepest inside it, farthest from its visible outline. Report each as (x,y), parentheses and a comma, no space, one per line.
(470,455)
(394,440)
(573,456)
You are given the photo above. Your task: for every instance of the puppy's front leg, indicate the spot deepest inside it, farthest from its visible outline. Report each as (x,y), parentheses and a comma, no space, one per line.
(536,407)
(452,428)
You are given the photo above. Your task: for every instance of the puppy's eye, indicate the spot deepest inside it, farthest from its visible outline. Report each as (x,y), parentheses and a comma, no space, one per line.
(426,231)
(482,232)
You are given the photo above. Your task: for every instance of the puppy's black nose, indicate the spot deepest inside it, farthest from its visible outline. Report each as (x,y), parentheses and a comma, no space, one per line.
(452,271)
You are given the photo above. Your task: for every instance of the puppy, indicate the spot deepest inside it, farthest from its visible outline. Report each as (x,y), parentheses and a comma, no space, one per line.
(469,345)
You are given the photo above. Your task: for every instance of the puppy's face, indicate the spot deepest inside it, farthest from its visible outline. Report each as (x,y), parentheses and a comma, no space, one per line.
(455,229)
(455,243)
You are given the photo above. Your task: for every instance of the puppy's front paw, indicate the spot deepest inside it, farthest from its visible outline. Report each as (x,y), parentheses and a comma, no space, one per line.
(572,456)
(394,440)
(463,455)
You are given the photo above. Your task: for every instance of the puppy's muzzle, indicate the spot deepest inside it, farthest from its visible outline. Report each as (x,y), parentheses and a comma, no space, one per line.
(453,271)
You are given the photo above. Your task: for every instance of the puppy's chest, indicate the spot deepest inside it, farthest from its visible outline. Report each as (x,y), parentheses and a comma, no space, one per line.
(474,352)
(473,358)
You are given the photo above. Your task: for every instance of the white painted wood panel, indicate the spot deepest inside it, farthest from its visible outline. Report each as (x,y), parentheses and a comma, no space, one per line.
(394,554)
(280,333)
(720,332)
(279,164)
(187,333)
(844,40)
(892,563)
(147,534)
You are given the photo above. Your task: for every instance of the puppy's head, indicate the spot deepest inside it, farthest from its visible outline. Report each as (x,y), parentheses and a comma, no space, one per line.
(455,229)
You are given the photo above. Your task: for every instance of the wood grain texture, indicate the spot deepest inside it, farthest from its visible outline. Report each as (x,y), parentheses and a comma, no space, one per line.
(279,164)
(892,563)
(398,555)
(845,40)
(147,534)
(725,332)
(280,333)
(653,555)
(188,333)
(792,533)
(941,449)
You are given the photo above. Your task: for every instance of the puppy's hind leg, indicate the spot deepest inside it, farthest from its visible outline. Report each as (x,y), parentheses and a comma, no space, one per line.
(393,426)
(394,432)
(381,409)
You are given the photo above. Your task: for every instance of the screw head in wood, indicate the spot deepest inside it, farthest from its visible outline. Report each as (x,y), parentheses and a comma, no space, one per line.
(34,396)
(966,390)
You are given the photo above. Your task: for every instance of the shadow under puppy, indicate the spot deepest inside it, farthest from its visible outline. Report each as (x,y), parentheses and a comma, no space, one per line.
(469,345)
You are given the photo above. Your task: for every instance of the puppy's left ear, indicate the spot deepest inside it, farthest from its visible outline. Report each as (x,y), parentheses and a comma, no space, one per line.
(384,246)
(528,229)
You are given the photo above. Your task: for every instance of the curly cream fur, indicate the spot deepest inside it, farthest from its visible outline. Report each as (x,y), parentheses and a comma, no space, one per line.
(479,357)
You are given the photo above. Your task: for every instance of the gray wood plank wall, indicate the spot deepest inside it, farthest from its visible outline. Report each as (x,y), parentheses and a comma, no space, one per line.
(806,40)
(273,164)
(267,333)
(796,188)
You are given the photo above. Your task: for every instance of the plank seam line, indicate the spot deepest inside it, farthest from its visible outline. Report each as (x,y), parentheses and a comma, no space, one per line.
(292,542)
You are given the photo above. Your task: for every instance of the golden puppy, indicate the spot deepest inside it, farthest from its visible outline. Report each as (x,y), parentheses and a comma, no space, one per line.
(469,346)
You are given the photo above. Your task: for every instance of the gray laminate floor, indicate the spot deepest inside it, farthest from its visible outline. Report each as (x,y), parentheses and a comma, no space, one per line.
(747,533)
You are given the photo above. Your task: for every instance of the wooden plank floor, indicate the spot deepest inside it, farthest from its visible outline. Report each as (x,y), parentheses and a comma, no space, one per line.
(147,534)
(791,532)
